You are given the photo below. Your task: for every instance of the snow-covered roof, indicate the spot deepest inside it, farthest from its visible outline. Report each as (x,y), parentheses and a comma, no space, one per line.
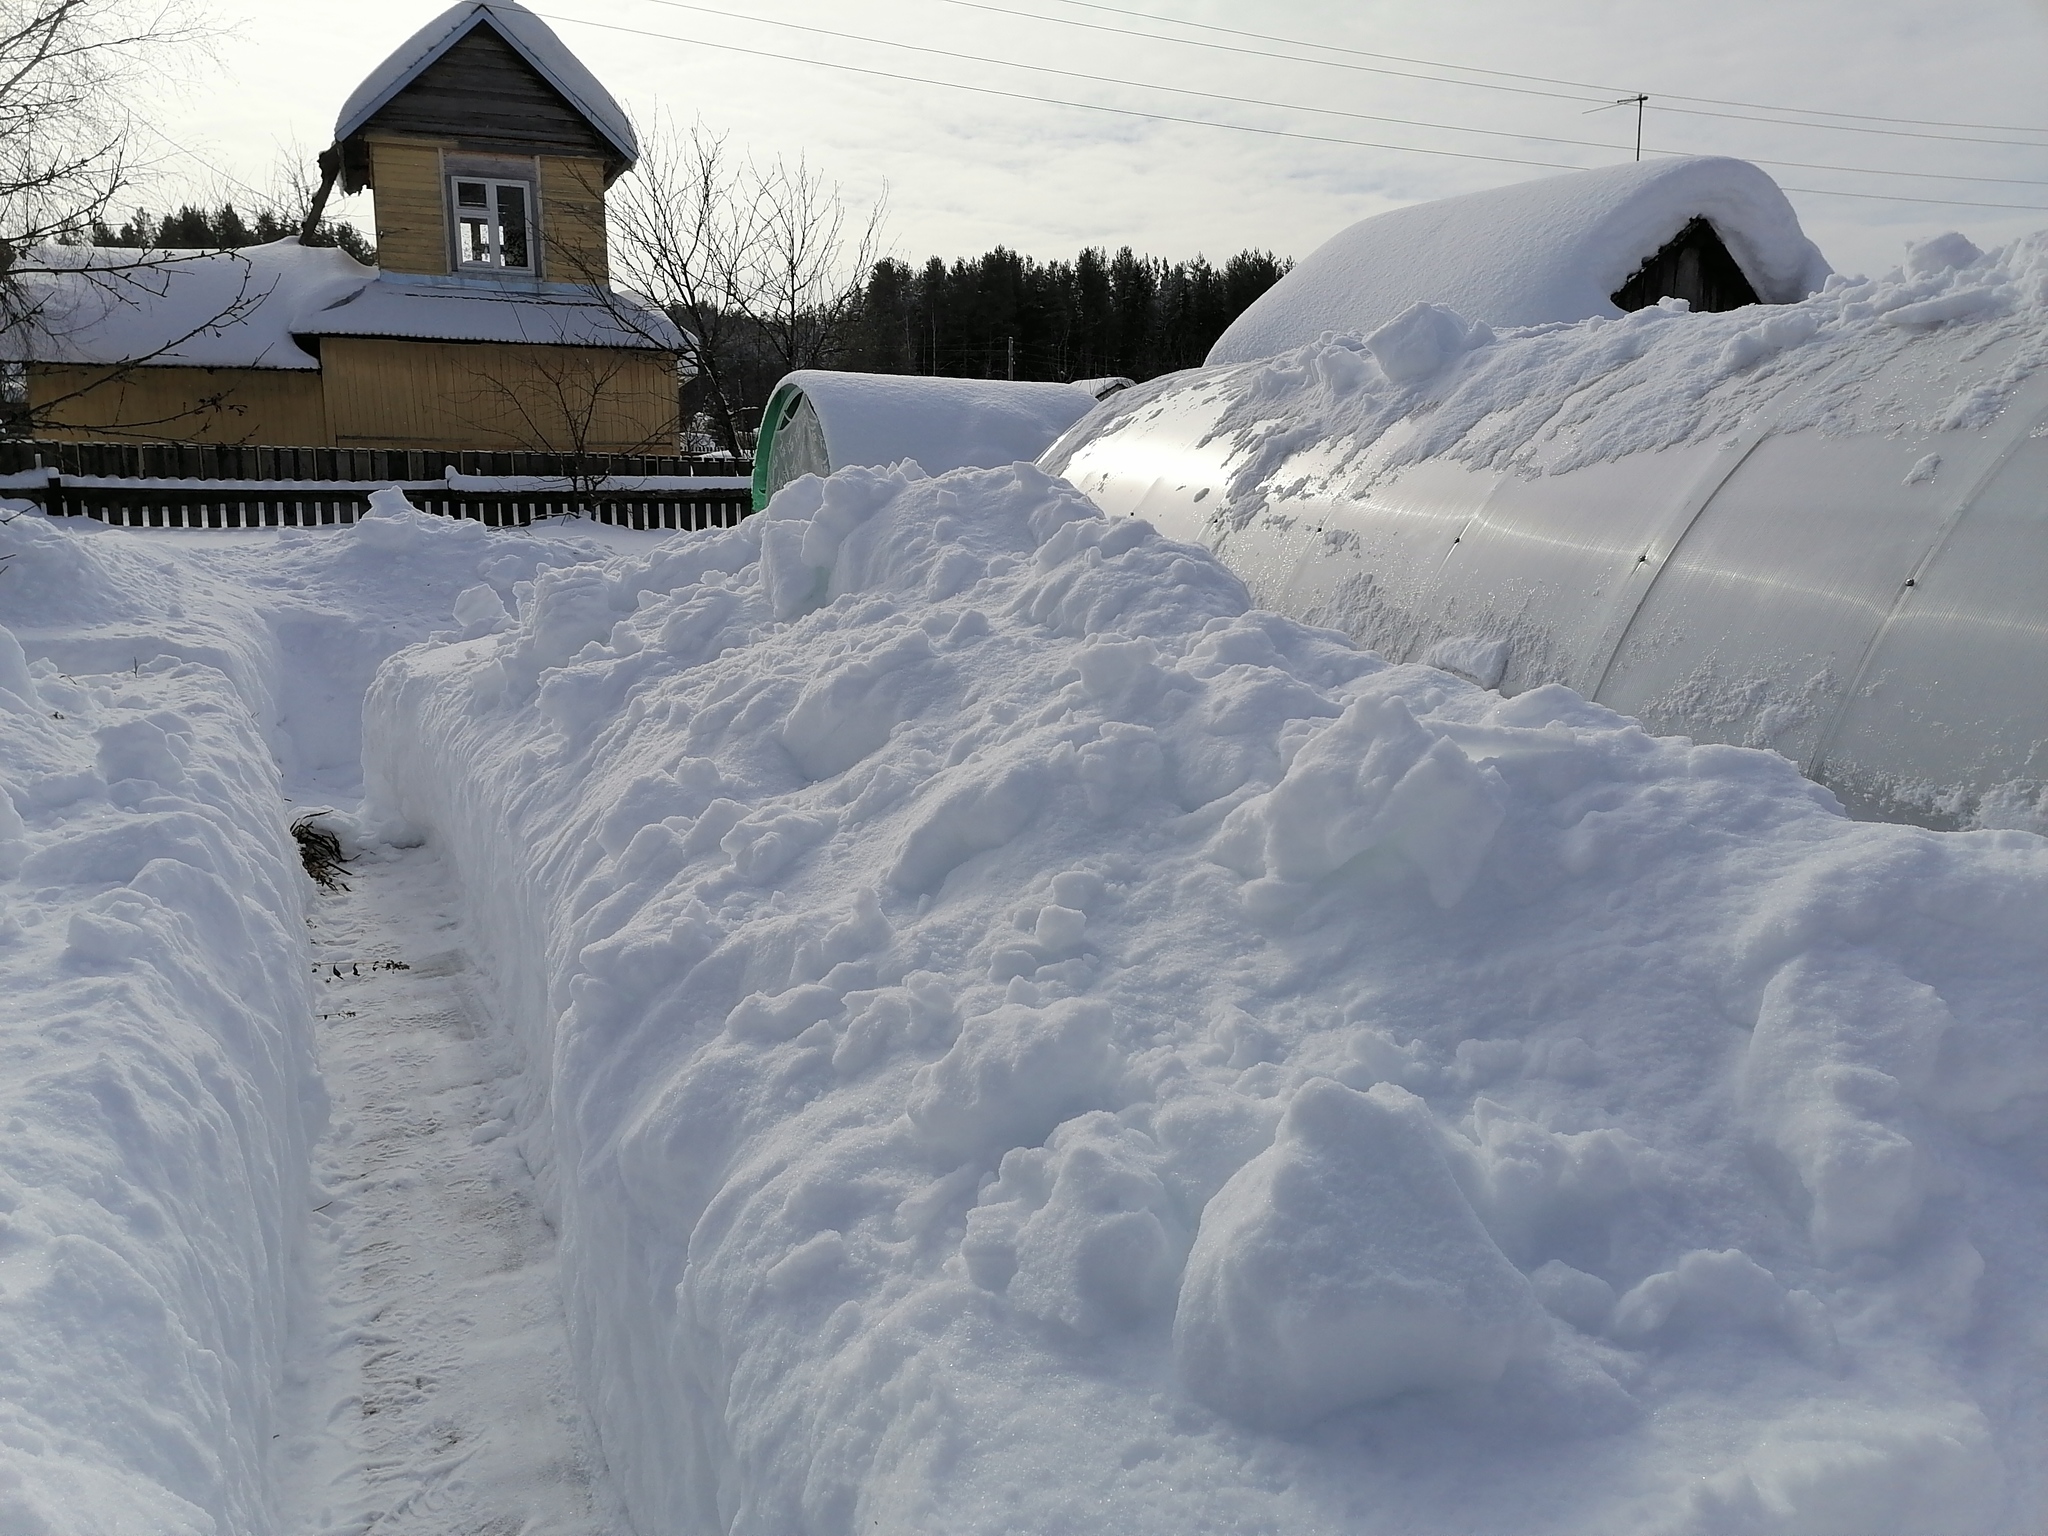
(533,39)
(243,309)
(466,309)
(1538,252)
(200,309)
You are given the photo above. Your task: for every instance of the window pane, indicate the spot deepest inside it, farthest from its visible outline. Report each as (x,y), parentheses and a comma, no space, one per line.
(470,194)
(475,239)
(512,225)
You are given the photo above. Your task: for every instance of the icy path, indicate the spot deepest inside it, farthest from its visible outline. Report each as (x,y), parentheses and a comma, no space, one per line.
(434,1390)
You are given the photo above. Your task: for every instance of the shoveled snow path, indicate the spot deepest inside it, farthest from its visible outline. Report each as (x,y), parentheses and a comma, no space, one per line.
(434,1390)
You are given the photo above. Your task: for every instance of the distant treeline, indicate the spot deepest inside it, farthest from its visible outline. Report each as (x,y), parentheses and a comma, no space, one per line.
(223,229)
(1094,316)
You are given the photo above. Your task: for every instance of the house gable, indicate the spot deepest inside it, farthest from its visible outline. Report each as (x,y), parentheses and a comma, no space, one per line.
(480,96)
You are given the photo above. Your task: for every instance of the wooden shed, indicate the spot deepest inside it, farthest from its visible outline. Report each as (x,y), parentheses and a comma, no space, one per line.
(489,322)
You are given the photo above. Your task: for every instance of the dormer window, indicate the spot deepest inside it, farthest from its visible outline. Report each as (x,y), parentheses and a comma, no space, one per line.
(493,224)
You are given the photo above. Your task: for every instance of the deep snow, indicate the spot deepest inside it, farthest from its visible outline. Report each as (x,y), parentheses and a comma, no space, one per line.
(1011,1038)
(161,1099)
(157,1105)
(1034,1045)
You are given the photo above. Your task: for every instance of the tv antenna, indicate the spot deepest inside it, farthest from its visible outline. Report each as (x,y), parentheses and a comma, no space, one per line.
(1638,101)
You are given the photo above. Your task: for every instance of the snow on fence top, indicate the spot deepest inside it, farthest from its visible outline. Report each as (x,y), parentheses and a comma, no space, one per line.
(1544,251)
(532,38)
(245,308)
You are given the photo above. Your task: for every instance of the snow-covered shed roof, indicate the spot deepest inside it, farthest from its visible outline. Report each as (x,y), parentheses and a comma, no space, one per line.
(245,309)
(1544,251)
(195,309)
(462,309)
(533,39)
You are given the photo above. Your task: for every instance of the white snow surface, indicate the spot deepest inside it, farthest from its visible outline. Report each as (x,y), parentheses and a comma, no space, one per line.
(158,1102)
(161,1099)
(1533,253)
(876,419)
(534,40)
(1017,1040)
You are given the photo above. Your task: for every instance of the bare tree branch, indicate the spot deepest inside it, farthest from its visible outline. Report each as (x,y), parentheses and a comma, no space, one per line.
(65,69)
(757,262)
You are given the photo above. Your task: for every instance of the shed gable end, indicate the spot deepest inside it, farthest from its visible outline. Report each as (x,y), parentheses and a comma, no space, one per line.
(1694,266)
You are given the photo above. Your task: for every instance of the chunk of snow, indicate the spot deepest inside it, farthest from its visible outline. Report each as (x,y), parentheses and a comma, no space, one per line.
(1342,1266)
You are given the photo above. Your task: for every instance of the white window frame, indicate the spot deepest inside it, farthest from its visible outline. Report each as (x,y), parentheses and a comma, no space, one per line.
(493,223)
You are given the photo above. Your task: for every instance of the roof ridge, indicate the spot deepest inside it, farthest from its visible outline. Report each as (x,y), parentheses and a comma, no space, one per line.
(527,35)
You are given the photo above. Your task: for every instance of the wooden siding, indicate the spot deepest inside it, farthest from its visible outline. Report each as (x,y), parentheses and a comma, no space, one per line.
(572,227)
(1694,266)
(483,96)
(412,213)
(385,393)
(188,405)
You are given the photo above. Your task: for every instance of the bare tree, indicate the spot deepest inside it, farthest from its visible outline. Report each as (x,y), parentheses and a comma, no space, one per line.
(751,258)
(573,401)
(65,156)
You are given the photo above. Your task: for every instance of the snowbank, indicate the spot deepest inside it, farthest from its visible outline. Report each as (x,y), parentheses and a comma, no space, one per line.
(1534,253)
(158,1100)
(160,1095)
(1022,1042)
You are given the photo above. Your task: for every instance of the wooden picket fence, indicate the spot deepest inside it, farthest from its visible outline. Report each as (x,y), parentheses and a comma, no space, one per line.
(169,504)
(384,466)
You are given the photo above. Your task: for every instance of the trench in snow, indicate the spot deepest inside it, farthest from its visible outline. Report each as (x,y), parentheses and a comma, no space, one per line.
(431,1390)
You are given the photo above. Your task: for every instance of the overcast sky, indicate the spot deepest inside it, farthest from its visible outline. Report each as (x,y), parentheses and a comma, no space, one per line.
(965,170)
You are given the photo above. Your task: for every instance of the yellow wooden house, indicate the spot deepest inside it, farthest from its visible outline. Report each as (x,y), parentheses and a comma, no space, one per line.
(489,322)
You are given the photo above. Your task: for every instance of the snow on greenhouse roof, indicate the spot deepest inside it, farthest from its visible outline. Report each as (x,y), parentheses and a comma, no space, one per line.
(944,424)
(1538,252)
(533,39)
(244,309)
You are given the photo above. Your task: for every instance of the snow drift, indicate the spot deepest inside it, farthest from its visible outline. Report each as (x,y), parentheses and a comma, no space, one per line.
(158,1101)
(160,1098)
(1021,1040)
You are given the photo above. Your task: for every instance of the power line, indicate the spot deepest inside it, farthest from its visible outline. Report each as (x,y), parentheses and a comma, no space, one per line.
(1289,106)
(1504,74)
(198,159)
(1049,101)
(1196,122)
(1479,85)
(1143,85)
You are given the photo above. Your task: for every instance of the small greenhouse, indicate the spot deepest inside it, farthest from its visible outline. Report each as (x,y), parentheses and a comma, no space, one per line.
(818,421)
